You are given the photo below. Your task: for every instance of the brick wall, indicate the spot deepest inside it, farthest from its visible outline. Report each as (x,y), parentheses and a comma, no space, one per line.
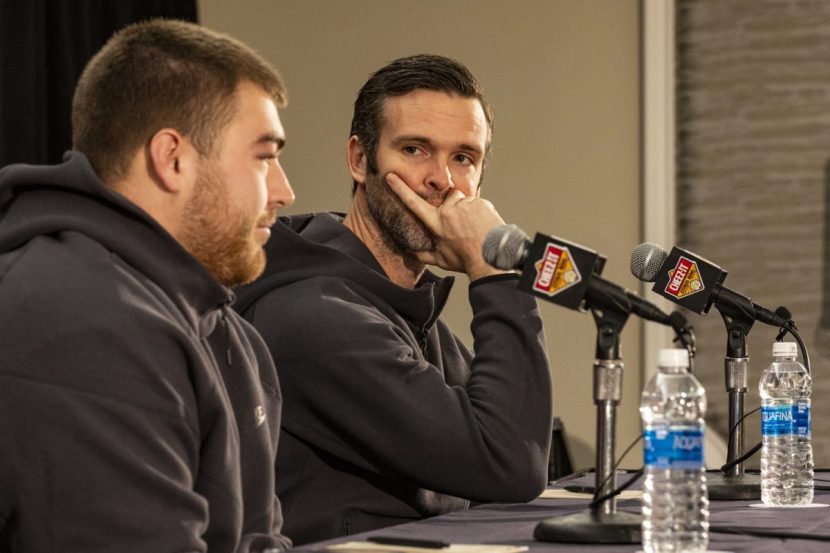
(753,124)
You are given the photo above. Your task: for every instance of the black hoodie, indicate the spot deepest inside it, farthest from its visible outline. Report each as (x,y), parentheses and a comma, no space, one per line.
(388,417)
(137,412)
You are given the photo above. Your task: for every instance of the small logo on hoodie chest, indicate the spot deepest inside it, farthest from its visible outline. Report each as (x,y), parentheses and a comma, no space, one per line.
(259,415)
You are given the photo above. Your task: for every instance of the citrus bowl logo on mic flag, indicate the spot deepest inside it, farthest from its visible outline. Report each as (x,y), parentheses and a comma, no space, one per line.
(684,279)
(555,271)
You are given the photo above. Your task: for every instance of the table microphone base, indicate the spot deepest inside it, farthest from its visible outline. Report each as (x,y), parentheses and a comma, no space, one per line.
(589,527)
(741,487)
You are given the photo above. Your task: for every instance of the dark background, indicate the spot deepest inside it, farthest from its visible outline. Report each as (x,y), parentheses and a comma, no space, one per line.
(44,46)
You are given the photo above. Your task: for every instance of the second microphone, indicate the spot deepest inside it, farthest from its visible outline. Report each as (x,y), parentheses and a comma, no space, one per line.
(566,273)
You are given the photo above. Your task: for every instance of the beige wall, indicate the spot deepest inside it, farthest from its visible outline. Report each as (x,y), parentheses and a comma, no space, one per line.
(563,76)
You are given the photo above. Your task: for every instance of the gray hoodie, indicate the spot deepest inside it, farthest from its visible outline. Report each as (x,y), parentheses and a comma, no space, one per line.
(388,417)
(137,412)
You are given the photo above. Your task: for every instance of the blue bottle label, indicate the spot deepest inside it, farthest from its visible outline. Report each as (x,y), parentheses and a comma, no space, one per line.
(802,418)
(674,447)
(786,420)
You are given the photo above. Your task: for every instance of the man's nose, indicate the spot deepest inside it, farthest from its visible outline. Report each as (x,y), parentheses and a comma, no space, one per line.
(440,178)
(280,193)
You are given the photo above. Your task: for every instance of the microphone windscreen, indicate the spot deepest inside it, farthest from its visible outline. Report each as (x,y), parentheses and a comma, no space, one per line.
(784,313)
(677,320)
(505,247)
(646,260)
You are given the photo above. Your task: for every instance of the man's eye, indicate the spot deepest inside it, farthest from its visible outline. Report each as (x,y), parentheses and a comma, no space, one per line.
(411,149)
(465,159)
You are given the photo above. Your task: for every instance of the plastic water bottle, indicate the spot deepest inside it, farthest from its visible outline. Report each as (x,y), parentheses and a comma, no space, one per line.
(675,500)
(787,454)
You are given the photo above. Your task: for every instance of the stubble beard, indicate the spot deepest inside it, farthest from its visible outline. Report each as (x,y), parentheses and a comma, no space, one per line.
(219,238)
(400,229)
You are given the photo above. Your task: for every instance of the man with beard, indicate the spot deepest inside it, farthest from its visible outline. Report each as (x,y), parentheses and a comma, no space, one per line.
(388,417)
(137,411)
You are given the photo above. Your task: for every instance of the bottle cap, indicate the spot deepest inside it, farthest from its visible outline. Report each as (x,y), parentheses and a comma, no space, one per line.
(784,349)
(673,357)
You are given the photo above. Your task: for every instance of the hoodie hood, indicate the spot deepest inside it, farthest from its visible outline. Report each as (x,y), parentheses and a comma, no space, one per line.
(69,197)
(319,245)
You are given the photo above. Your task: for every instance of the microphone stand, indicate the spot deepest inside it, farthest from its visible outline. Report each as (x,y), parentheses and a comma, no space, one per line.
(602,523)
(735,484)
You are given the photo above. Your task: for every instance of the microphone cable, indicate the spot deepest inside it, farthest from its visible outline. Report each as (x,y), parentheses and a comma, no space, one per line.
(685,337)
(739,530)
(820,487)
(731,443)
(597,499)
(789,328)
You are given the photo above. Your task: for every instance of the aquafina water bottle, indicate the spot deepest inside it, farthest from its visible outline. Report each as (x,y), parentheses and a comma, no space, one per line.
(787,454)
(675,501)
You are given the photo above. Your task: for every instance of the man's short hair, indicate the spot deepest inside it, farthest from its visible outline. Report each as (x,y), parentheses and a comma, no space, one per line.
(161,74)
(422,71)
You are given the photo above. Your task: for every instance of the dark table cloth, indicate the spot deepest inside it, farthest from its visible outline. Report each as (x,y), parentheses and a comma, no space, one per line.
(514,524)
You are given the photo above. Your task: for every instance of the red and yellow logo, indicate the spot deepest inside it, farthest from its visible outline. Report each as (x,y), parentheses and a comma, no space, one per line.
(684,279)
(555,271)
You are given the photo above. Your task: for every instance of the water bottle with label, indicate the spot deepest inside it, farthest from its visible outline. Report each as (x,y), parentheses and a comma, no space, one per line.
(787,454)
(675,501)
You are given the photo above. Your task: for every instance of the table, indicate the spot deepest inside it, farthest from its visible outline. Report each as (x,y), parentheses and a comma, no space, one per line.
(514,523)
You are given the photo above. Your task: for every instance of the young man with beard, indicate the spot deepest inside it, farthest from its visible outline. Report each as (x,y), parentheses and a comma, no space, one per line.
(138,412)
(388,416)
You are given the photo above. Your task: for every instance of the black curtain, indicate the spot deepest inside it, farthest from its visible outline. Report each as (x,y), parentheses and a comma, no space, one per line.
(44,46)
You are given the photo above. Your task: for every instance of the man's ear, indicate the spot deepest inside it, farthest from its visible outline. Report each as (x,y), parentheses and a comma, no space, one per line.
(171,160)
(356,156)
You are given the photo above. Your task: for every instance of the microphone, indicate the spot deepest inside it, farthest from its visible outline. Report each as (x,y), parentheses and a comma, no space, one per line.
(566,273)
(696,283)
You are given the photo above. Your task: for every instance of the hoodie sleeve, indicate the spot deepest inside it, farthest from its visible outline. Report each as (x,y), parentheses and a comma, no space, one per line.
(357,385)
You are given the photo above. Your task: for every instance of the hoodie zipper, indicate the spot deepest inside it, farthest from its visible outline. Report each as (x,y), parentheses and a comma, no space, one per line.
(423,334)
(227,333)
